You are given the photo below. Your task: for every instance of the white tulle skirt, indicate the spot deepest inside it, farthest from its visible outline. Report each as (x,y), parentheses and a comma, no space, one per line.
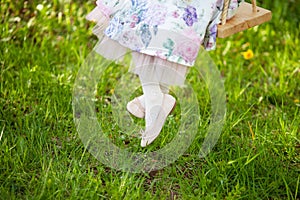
(153,67)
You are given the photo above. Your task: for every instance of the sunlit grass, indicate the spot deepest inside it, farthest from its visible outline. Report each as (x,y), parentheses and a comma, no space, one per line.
(43,45)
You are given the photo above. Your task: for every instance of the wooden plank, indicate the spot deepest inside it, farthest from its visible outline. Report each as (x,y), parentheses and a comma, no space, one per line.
(244,19)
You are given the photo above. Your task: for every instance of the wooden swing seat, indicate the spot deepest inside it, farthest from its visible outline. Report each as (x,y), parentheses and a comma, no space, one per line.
(248,15)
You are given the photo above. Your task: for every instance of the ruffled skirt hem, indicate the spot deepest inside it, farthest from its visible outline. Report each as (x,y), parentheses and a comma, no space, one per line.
(154,68)
(144,65)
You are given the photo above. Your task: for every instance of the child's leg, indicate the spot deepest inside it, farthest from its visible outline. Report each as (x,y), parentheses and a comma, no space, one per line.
(164,89)
(156,104)
(137,105)
(157,108)
(153,98)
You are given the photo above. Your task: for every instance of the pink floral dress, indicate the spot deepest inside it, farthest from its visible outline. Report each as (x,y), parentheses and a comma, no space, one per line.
(172,30)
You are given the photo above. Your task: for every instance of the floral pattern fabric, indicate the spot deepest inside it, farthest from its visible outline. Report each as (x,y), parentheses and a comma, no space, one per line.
(170,29)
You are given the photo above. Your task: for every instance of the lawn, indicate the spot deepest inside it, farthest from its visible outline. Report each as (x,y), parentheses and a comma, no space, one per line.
(43,45)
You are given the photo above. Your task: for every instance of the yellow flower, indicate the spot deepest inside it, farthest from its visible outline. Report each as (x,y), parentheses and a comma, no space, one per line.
(248,54)
(112,91)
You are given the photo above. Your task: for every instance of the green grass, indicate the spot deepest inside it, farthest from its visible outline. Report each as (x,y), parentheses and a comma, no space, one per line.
(42,156)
